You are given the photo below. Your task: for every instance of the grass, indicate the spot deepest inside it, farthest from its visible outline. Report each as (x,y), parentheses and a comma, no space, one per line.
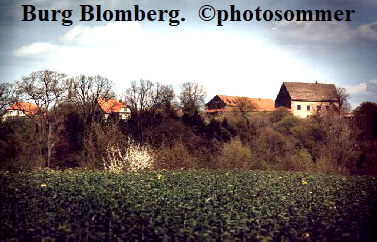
(187,205)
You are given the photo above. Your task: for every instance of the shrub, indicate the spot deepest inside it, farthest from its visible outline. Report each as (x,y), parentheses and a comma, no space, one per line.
(365,119)
(365,130)
(310,135)
(69,146)
(100,140)
(286,124)
(272,150)
(235,155)
(326,165)
(18,145)
(174,157)
(270,146)
(134,157)
(300,160)
(340,145)
(279,114)
(367,163)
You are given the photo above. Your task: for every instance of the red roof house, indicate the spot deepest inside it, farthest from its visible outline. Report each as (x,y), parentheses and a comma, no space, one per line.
(223,103)
(112,105)
(21,109)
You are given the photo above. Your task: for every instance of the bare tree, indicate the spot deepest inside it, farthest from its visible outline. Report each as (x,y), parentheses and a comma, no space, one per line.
(7,95)
(245,104)
(148,96)
(89,90)
(87,93)
(342,97)
(164,95)
(192,97)
(47,90)
(340,147)
(145,98)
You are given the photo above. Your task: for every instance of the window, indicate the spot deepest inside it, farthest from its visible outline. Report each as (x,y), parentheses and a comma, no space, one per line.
(327,108)
(318,108)
(298,107)
(308,107)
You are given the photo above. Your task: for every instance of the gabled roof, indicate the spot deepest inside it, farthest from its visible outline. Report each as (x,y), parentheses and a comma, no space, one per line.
(27,108)
(228,100)
(315,92)
(110,105)
(261,104)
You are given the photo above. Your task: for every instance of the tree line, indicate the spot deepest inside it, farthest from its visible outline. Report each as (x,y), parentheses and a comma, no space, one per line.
(171,131)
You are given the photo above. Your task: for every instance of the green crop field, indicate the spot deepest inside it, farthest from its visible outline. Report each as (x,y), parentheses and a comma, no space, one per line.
(187,205)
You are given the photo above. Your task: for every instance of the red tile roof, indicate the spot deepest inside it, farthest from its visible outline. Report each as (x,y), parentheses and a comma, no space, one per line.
(27,108)
(261,104)
(110,105)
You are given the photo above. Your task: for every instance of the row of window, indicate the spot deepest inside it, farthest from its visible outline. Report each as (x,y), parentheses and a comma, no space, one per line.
(308,107)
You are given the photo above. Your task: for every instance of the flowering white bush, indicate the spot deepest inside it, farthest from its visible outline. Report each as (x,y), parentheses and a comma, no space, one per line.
(133,157)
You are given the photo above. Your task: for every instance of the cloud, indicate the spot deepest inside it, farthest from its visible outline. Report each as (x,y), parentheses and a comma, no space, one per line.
(368,31)
(357,89)
(372,86)
(113,32)
(124,51)
(35,48)
(310,32)
(323,33)
(362,92)
(363,87)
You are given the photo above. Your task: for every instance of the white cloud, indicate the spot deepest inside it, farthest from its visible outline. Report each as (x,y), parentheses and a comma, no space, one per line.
(113,32)
(35,48)
(363,87)
(362,92)
(357,89)
(222,62)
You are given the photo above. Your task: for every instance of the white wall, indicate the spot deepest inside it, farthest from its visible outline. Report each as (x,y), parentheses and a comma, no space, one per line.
(313,106)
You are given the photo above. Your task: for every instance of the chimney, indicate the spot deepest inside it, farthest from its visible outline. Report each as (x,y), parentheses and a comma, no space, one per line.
(316,82)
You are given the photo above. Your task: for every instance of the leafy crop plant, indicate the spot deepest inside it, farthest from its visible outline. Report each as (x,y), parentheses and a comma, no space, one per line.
(193,205)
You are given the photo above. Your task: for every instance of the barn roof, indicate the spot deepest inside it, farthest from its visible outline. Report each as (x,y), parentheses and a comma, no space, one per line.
(110,105)
(27,108)
(315,92)
(262,104)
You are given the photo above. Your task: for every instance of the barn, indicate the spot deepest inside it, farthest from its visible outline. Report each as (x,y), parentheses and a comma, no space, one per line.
(224,103)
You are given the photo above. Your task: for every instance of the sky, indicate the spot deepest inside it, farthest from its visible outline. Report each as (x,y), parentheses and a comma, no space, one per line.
(240,58)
